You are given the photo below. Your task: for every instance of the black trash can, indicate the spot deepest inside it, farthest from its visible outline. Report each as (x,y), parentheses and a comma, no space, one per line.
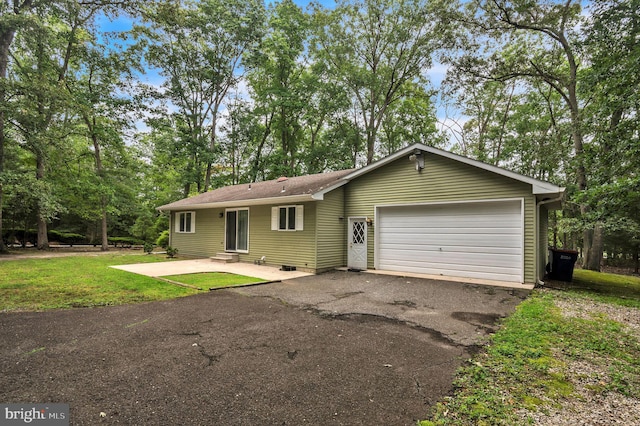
(562,262)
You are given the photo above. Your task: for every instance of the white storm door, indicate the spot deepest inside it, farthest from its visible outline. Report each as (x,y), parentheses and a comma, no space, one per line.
(357,250)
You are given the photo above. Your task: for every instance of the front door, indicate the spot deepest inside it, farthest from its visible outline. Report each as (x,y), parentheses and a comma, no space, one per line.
(357,250)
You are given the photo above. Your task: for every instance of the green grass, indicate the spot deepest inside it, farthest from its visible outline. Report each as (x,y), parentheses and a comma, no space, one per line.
(213,279)
(524,366)
(33,284)
(610,288)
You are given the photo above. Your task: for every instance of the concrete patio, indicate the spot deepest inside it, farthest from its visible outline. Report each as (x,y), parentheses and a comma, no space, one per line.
(179,267)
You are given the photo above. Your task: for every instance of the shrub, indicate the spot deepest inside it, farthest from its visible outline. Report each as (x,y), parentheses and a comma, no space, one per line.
(124,241)
(11,235)
(163,239)
(66,237)
(171,252)
(148,247)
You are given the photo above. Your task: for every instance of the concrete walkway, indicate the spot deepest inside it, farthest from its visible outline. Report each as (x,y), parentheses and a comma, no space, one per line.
(180,267)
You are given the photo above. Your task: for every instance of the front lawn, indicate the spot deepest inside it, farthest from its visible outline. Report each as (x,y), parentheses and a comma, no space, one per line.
(208,280)
(79,281)
(561,358)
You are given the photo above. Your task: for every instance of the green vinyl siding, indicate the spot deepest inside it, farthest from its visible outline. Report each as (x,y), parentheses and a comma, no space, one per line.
(293,248)
(442,180)
(331,231)
(208,238)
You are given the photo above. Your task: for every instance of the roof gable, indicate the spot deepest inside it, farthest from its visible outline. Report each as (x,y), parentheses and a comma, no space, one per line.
(538,187)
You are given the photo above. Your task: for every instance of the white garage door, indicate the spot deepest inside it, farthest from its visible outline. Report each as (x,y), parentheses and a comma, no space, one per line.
(472,240)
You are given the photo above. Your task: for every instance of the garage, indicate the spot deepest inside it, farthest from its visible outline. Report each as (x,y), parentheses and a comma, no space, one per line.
(482,240)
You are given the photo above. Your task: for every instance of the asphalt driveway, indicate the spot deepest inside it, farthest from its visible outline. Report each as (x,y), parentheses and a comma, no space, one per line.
(340,348)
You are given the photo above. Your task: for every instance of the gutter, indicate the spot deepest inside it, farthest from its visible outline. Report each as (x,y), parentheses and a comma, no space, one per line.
(289,199)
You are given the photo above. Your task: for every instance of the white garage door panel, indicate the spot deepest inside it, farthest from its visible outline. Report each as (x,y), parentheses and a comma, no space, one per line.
(474,240)
(454,240)
(456,269)
(504,274)
(454,258)
(407,249)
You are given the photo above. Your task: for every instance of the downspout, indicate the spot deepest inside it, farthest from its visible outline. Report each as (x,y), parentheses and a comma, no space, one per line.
(537,231)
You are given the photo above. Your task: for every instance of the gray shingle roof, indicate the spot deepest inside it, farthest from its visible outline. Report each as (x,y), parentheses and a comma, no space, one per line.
(272,189)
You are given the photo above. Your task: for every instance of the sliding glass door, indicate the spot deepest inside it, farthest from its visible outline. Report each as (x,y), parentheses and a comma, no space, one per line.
(237,230)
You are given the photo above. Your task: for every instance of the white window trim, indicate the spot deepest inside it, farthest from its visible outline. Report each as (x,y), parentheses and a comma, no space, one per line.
(275,218)
(193,222)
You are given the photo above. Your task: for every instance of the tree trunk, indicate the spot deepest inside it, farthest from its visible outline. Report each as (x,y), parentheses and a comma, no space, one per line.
(593,259)
(263,140)
(105,237)
(43,239)
(212,147)
(371,131)
(100,173)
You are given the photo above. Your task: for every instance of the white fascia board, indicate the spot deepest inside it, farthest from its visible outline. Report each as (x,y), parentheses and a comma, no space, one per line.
(541,189)
(319,196)
(385,160)
(290,199)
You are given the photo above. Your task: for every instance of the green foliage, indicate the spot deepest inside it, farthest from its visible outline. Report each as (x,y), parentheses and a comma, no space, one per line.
(148,247)
(376,49)
(66,237)
(199,47)
(163,239)
(171,252)
(10,236)
(125,241)
(144,227)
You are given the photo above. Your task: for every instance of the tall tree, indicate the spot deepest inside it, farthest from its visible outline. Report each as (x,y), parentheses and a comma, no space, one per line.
(103,114)
(44,54)
(612,44)
(198,47)
(277,79)
(12,17)
(410,120)
(375,48)
(529,42)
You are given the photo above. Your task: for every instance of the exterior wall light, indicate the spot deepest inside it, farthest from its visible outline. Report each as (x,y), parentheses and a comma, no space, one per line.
(418,158)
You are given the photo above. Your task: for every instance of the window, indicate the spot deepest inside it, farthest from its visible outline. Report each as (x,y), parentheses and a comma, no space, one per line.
(186,222)
(287,218)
